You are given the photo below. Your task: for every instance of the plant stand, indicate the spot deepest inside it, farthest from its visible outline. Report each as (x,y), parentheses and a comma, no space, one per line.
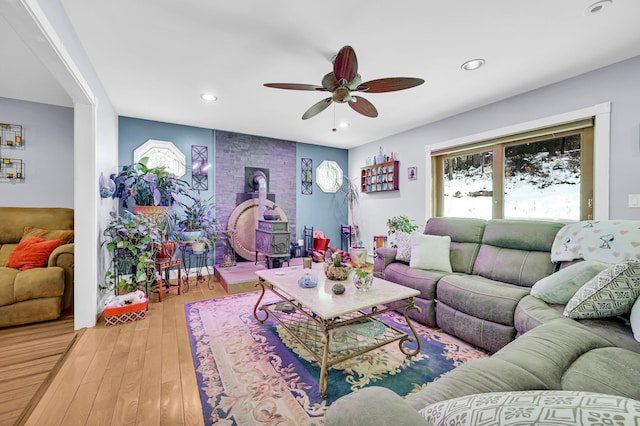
(163,285)
(195,264)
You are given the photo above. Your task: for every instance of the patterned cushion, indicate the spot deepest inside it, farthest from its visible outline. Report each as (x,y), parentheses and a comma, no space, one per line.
(634,319)
(64,235)
(403,241)
(534,408)
(611,292)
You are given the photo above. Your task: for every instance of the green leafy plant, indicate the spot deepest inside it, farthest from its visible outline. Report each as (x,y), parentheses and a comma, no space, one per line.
(400,224)
(132,241)
(198,214)
(361,273)
(147,186)
(351,192)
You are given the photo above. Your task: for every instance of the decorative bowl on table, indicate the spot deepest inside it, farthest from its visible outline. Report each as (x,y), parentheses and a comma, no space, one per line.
(308,280)
(337,273)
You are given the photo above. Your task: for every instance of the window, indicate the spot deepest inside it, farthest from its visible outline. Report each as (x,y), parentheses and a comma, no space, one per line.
(546,174)
(161,154)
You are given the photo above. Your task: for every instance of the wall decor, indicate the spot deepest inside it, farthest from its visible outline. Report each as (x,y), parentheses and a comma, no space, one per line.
(379,177)
(307,176)
(412,173)
(11,169)
(200,167)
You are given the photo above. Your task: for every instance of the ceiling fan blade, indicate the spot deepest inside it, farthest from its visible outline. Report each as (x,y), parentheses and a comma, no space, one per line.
(317,108)
(389,84)
(329,82)
(363,106)
(294,86)
(345,66)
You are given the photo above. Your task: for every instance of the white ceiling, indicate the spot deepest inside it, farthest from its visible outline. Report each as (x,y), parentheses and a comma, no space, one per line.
(155,57)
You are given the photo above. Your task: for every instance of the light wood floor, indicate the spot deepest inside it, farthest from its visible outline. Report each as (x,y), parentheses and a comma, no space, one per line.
(139,373)
(29,355)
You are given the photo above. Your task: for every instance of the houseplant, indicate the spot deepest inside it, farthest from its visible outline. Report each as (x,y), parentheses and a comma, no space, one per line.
(335,269)
(147,186)
(362,279)
(400,224)
(198,218)
(130,241)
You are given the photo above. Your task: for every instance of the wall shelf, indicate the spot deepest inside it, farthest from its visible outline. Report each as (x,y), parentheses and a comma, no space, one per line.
(11,136)
(380,177)
(11,169)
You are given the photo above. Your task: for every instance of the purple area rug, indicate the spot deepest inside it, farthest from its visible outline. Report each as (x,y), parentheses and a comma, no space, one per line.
(250,373)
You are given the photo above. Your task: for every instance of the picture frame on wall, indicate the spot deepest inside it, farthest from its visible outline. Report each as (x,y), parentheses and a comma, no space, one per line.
(412,173)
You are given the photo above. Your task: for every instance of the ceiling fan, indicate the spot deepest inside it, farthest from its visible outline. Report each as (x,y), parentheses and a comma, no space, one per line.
(345,79)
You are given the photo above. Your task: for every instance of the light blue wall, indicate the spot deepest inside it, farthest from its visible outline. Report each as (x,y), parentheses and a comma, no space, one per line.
(134,132)
(323,211)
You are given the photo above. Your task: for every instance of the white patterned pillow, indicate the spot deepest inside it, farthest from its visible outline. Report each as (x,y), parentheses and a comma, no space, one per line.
(611,292)
(634,319)
(527,408)
(403,241)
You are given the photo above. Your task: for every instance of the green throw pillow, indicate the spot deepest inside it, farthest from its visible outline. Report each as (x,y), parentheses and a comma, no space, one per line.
(528,408)
(612,292)
(559,288)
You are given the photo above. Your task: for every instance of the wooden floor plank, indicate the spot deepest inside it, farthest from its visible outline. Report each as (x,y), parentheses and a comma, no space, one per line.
(140,373)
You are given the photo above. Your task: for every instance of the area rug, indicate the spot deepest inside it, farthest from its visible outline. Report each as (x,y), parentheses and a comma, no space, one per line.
(251,373)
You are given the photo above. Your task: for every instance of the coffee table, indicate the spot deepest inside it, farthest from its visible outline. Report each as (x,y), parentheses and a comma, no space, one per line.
(334,328)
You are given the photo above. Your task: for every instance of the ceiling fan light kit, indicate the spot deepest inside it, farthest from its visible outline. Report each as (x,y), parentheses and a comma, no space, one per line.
(345,79)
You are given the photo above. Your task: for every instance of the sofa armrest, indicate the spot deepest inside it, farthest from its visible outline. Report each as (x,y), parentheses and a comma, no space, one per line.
(372,406)
(63,257)
(384,257)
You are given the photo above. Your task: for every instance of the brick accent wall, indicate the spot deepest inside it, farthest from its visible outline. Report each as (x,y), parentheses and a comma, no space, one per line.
(234,152)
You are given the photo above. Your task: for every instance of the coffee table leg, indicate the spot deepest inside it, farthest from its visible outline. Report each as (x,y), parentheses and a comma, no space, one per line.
(324,371)
(257,306)
(410,353)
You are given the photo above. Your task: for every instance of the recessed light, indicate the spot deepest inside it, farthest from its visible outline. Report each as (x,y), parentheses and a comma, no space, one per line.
(345,124)
(208,97)
(473,64)
(598,7)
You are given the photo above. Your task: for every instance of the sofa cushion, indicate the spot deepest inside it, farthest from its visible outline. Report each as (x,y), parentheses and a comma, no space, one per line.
(423,281)
(7,278)
(534,407)
(430,252)
(64,235)
(611,292)
(559,287)
(481,297)
(600,370)
(32,253)
(466,236)
(532,312)
(403,246)
(519,267)
(39,283)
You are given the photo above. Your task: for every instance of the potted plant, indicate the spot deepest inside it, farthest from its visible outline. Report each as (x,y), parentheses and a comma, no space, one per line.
(197,220)
(335,269)
(400,224)
(352,196)
(362,279)
(130,242)
(147,186)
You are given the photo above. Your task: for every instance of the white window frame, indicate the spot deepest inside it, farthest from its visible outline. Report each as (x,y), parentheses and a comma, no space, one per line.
(177,167)
(601,150)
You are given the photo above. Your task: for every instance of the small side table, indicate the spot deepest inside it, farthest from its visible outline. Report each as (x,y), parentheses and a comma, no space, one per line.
(164,284)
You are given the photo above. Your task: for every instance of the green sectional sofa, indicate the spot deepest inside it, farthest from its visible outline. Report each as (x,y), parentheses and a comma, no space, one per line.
(486,300)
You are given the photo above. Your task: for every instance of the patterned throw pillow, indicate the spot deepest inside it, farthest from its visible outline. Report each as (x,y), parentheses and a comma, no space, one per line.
(64,235)
(611,292)
(528,408)
(403,241)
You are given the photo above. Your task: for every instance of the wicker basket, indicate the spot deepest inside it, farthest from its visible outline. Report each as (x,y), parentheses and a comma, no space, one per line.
(126,313)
